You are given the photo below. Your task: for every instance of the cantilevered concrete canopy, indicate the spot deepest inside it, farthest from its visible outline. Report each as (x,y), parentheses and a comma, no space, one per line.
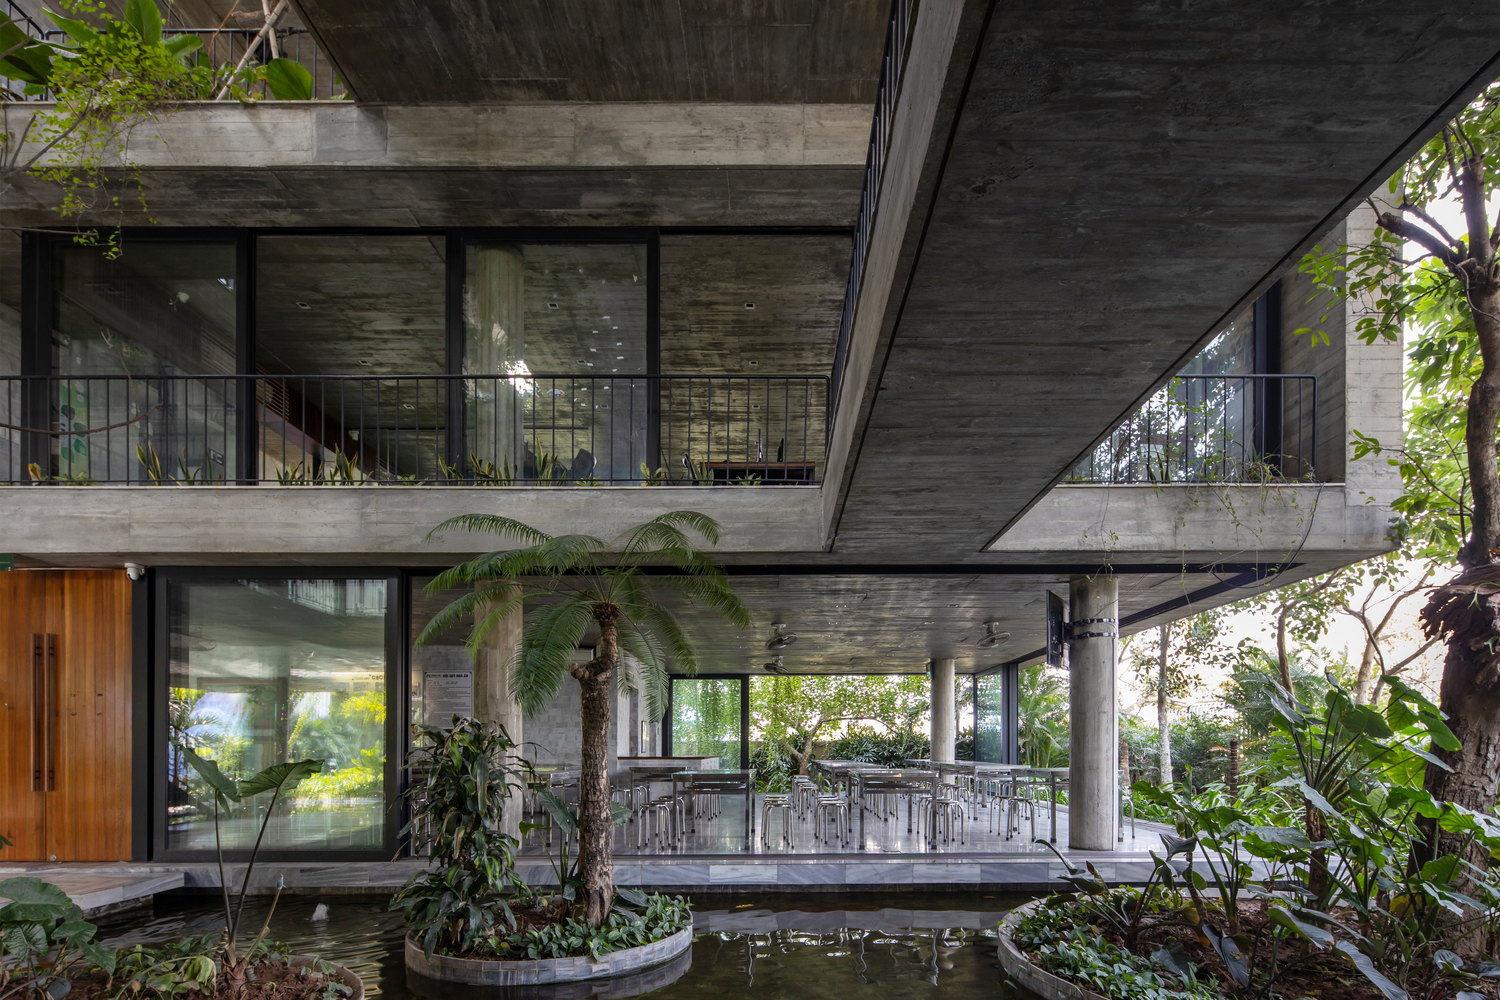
(1101,187)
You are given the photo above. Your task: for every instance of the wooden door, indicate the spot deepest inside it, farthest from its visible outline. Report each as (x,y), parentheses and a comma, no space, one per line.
(23,618)
(74,685)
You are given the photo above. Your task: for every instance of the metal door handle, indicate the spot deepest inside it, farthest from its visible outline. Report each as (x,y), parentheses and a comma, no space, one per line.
(38,709)
(50,696)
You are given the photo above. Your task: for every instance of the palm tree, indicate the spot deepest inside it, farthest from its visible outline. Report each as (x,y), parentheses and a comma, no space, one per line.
(575,582)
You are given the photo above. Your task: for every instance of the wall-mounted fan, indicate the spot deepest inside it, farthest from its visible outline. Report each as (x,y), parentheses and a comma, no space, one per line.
(780,639)
(991,638)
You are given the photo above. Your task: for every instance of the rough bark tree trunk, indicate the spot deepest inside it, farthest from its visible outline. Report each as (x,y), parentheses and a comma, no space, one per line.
(1362,685)
(1163,730)
(595,818)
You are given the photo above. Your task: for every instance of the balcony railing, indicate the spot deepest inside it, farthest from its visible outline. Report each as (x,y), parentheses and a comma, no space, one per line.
(523,430)
(1214,428)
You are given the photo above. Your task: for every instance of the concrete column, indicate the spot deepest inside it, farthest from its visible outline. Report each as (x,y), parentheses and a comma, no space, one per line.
(494,700)
(943,721)
(1093,797)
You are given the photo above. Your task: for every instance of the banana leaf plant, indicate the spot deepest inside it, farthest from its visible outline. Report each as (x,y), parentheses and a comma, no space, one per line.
(277,779)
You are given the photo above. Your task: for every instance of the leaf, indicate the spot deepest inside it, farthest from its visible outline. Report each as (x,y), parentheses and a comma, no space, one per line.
(620,814)
(1363,963)
(1440,869)
(1283,917)
(1447,961)
(74,931)
(31,899)
(23,939)
(143,16)
(289,80)
(1229,952)
(182,45)
(279,776)
(222,784)
(1173,960)
(1176,845)
(77,30)
(632,896)
(98,955)
(558,810)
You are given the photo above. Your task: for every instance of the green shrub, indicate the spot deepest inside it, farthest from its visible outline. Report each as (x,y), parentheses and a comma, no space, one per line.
(886,749)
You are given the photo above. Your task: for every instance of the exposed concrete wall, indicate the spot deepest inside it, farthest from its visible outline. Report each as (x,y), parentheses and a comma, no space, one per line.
(1304,306)
(1373,401)
(343,134)
(1193,523)
(354,525)
(1093,792)
(494,698)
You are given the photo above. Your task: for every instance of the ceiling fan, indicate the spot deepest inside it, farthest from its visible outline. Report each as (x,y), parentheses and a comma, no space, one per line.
(779,639)
(776,667)
(991,638)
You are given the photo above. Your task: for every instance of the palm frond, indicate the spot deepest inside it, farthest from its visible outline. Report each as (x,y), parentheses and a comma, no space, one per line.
(551,635)
(650,616)
(451,615)
(493,524)
(643,647)
(663,537)
(567,552)
(712,591)
(496,610)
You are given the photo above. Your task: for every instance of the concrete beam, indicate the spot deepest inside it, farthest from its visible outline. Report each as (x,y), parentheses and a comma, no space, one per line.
(343,134)
(255,525)
(1269,524)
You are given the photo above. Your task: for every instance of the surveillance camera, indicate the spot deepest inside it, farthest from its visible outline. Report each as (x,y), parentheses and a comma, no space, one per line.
(135,570)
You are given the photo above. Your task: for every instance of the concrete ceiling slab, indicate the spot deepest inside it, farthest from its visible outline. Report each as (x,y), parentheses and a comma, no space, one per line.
(1113,185)
(817,51)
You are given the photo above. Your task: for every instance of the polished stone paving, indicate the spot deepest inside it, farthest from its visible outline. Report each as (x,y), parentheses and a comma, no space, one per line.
(98,892)
(714,858)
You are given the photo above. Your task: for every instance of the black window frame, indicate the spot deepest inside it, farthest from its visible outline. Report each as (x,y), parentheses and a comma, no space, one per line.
(398,704)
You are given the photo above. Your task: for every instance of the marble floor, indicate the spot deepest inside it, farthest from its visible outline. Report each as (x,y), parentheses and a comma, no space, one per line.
(97,892)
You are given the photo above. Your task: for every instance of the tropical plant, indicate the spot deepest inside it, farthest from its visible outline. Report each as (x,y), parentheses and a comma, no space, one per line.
(1042,718)
(891,749)
(636,919)
(463,777)
(225,792)
(44,940)
(794,712)
(579,583)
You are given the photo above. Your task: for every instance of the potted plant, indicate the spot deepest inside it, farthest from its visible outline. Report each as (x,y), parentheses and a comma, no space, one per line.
(472,918)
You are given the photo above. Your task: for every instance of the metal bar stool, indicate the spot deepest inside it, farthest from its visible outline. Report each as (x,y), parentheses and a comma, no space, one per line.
(836,808)
(782,802)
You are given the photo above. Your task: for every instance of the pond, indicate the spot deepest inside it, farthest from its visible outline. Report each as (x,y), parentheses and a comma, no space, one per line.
(898,947)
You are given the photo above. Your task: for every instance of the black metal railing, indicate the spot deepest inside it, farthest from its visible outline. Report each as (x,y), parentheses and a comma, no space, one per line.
(892,64)
(1214,428)
(523,430)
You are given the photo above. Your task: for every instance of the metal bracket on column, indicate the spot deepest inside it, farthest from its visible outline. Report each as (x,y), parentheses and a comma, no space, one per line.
(1113,632)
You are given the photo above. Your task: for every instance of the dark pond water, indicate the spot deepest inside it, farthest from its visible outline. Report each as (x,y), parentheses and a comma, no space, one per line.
(897,947)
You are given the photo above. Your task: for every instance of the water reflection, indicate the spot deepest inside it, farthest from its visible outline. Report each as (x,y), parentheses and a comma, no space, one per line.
(937,946)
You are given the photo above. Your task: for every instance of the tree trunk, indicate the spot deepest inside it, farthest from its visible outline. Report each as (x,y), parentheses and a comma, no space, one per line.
(596,825)
(1362,688)
(1282,659)
(1163,731)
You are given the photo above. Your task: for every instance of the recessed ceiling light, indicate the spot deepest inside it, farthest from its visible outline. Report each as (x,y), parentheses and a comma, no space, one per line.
(364,362)
(606,317)
(303,305)
(755,362)
(582,362)
(749,305)
(408,406)
(620,357)
(551,305)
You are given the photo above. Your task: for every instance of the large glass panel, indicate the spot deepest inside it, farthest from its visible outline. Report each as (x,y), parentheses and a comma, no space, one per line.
(125,332)
(706,719)
(989,718)
(265,671)
(12,454)
(442,671)
(552,336)
(350,332)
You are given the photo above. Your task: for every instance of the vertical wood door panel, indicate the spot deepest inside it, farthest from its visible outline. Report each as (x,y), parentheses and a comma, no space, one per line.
(88,810)
(23,615)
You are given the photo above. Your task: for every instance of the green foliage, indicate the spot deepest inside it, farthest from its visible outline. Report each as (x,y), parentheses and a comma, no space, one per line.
(463,778)
(886,749)
(1042,724)
(224,791)
(659,917)
(44,941)
(792,713)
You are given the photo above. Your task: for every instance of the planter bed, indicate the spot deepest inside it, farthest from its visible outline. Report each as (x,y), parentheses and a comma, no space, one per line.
(538,972)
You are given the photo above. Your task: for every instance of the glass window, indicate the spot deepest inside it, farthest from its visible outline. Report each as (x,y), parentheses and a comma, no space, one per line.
(271,670)
(156,309)
(119,325)
(552,335)
(706,719)
(989,718)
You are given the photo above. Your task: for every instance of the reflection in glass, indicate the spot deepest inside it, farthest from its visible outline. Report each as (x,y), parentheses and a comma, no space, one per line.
(989,718)
(157,309)
(266,671)
(366,306)
(706,719)
(551,334)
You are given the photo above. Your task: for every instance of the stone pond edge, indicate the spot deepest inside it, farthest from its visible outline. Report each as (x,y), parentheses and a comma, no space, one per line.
(1034,978)
(540,972)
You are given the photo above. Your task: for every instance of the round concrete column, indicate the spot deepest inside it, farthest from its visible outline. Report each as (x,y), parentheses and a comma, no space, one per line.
(943,722)
(494,699)
(1092,794)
